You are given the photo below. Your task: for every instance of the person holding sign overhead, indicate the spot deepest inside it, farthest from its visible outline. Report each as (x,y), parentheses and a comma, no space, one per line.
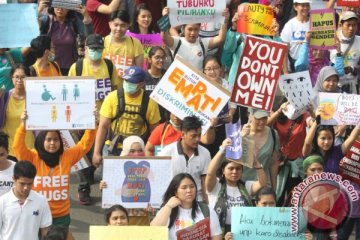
(225,188)
(181,210)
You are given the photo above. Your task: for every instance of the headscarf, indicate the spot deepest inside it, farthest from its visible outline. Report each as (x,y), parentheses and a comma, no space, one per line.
(316,64)
(128,142)
(312,159)
(50,159)
(324,74)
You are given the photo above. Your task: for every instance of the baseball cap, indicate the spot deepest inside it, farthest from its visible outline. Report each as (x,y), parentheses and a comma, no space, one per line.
(257,113)
(348,15)
(94,41)
(134,74)
(302,1)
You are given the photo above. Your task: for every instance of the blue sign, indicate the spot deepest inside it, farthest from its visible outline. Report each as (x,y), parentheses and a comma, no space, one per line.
(233,131)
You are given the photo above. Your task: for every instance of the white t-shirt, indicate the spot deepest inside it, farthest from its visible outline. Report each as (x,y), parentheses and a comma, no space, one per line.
(234,197)
(191,52)
(294,33)
(6,179)
(184,220)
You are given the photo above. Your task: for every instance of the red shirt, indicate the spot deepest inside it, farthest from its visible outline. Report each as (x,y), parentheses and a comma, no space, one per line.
(100,21)
(161,136)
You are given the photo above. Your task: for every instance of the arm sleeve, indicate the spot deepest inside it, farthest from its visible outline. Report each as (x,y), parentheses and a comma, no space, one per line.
(286,33)
(302,63)
(207,159)
(153,113)
(17,55)
(46,218)
(72,71)
(215,227)
(155,136)
(82,147)
(138,48)
(92,5)
(20,149)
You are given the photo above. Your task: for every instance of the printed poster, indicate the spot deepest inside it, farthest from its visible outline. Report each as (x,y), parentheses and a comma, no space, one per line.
(18,24)
(350,164)
(195,11)
(233,131)
(323,27)
(134,182)
(200,230)
(339,109)
(255,19)
(258,73)
(185,91)
(297,89)
(128,233)
(60,103)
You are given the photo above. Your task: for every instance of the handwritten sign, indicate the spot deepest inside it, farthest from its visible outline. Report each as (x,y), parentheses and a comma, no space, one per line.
(255,19)
(340,109)
(297,89)
(18,25)
(185,91)
(350,168)
(233,132)
(56,103)
(66,4)
(135,182)
(128,233)
(323,27)
(349,3)
(258,73)
(270,223)
(195,11)
(201,230)
(164,23)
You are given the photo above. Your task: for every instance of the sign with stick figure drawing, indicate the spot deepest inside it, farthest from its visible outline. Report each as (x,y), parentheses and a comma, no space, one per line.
(60,103)
(135,182)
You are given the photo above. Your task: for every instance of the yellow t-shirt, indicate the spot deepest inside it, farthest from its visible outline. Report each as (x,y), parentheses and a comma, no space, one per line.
(129,124)
(51,71)
(13,112)
(122,55)
(102,79)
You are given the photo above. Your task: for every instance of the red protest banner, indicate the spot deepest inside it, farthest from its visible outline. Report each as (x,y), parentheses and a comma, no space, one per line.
(349,3)
(199,231)
(258,73)
(350,167)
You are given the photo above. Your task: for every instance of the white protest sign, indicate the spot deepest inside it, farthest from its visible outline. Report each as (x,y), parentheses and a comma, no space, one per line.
(195,11)
(134,182)
(298,91)
(66,4)
(60,103)
(68,142)
(185,91)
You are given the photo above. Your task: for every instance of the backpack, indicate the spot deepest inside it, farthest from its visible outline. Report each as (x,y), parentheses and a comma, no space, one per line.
(79,66)
(34,74)
(179,44)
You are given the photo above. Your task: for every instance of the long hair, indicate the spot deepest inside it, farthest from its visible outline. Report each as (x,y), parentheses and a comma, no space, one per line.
(116,207)
(315,146)
(135,25)
(152,52)
(171,192)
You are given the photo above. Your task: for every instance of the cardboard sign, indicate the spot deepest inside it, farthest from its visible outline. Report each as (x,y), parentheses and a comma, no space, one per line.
(200,230)
(350,167)
(18,24)
(258,73)
(66,4)
(297,89)
(233,131)
(185,91)
(195,11)
(349,3)
(60,103)
(255,19)
(128,233)
(323,27)
(270,223)
(164,23)
(339,109)
(135,182)
(248,152)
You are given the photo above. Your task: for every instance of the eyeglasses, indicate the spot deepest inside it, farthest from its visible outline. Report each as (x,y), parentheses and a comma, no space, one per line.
(157,58)
(19,77)
(214,69)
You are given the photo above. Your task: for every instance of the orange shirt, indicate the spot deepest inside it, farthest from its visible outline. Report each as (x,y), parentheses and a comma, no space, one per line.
(54,184)
(163,137)
(52,71)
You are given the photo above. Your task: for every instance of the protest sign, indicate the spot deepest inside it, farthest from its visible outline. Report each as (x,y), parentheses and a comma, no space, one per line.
(255,19)
(128,233)
(68,142)
(66,4)
(164,23)
(297,89)
(258,73)
(60,103)
(339,109)
(18,25)
(233,132)
(349,3)
(270,223)
(102,88)
(350,167)
(147,41)
(185,91)
(200,230)
(135,182)
(323,29)
(195,11)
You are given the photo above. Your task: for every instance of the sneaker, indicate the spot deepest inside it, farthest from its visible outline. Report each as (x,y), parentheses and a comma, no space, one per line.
(84,196)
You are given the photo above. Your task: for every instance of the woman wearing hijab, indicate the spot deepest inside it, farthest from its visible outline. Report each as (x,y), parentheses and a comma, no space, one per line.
(53,165)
